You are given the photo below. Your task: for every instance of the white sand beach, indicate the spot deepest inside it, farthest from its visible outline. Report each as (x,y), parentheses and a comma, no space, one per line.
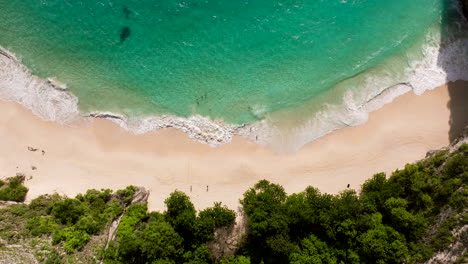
(99,154)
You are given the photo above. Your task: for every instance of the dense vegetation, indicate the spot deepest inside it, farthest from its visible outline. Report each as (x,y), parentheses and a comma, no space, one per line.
(390,221)
(405,218)
(178,235)
(69,222)
(13,189)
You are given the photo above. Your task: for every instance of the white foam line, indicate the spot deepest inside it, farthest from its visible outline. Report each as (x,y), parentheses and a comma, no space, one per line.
(44,99)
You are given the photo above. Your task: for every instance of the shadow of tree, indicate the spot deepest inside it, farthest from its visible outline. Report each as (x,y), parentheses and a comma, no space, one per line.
(455,28)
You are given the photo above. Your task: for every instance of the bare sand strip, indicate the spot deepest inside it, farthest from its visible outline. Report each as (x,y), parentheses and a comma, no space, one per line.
(99,154)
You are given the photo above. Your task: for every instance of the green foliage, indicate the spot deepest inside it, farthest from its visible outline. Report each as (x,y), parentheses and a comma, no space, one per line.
(437,160)
(68,211)
(210,219)
(382,244)
(114,209)
(312,251)
(135,213)
(73,239)
(375,191)
(88,224)
(456,165)
(463,148)
(163,261)
(18,209)
(38,226)
(443,237)
(126,195)
(14,191)
(235,260)
(42,205)
(265,196)
(70,223)
(219,215)
(181,215)
(177,236)
(201,255)
(54,258)
(160,241)
(264,204)
(388,222)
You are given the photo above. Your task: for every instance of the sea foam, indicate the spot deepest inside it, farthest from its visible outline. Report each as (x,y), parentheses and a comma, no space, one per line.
(44,98)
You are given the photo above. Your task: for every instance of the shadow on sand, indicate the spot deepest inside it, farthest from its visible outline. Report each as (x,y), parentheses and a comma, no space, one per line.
(458,91)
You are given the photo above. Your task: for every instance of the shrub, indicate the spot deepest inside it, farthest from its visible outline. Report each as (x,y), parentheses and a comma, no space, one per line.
(220,215)
(463,148)
(68,211)
(73,239)
(38,226)
(126,195)
(114,209)
(160,241)
(15,190)
(94,195)
(53,258)
(211,218)
(18,209)
(88,224)
(456,165)
(134,215)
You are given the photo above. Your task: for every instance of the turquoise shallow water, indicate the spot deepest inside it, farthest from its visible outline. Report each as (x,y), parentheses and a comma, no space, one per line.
(234,60)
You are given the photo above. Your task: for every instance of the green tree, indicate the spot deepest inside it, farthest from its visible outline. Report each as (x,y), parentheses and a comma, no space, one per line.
(269,238)
(88,224)
(68,211)
(456,165)
(211,218)
(201,255)
(160,241)
(313,251)
(382,244)
(181,215)
(402,220)
(219,215)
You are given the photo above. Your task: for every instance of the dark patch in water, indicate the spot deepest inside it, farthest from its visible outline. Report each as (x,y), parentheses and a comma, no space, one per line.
(127,12)
(124,34)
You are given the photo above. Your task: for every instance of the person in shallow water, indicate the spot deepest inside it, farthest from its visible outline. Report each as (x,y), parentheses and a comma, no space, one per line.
(124,34)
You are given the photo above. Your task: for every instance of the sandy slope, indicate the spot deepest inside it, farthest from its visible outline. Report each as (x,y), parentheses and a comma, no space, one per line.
(99,154)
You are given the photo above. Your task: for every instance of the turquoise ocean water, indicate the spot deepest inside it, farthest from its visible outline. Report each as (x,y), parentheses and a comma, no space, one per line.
(236,60)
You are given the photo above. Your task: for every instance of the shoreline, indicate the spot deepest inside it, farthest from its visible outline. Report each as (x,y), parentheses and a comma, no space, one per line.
(50,99)
(96,153)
